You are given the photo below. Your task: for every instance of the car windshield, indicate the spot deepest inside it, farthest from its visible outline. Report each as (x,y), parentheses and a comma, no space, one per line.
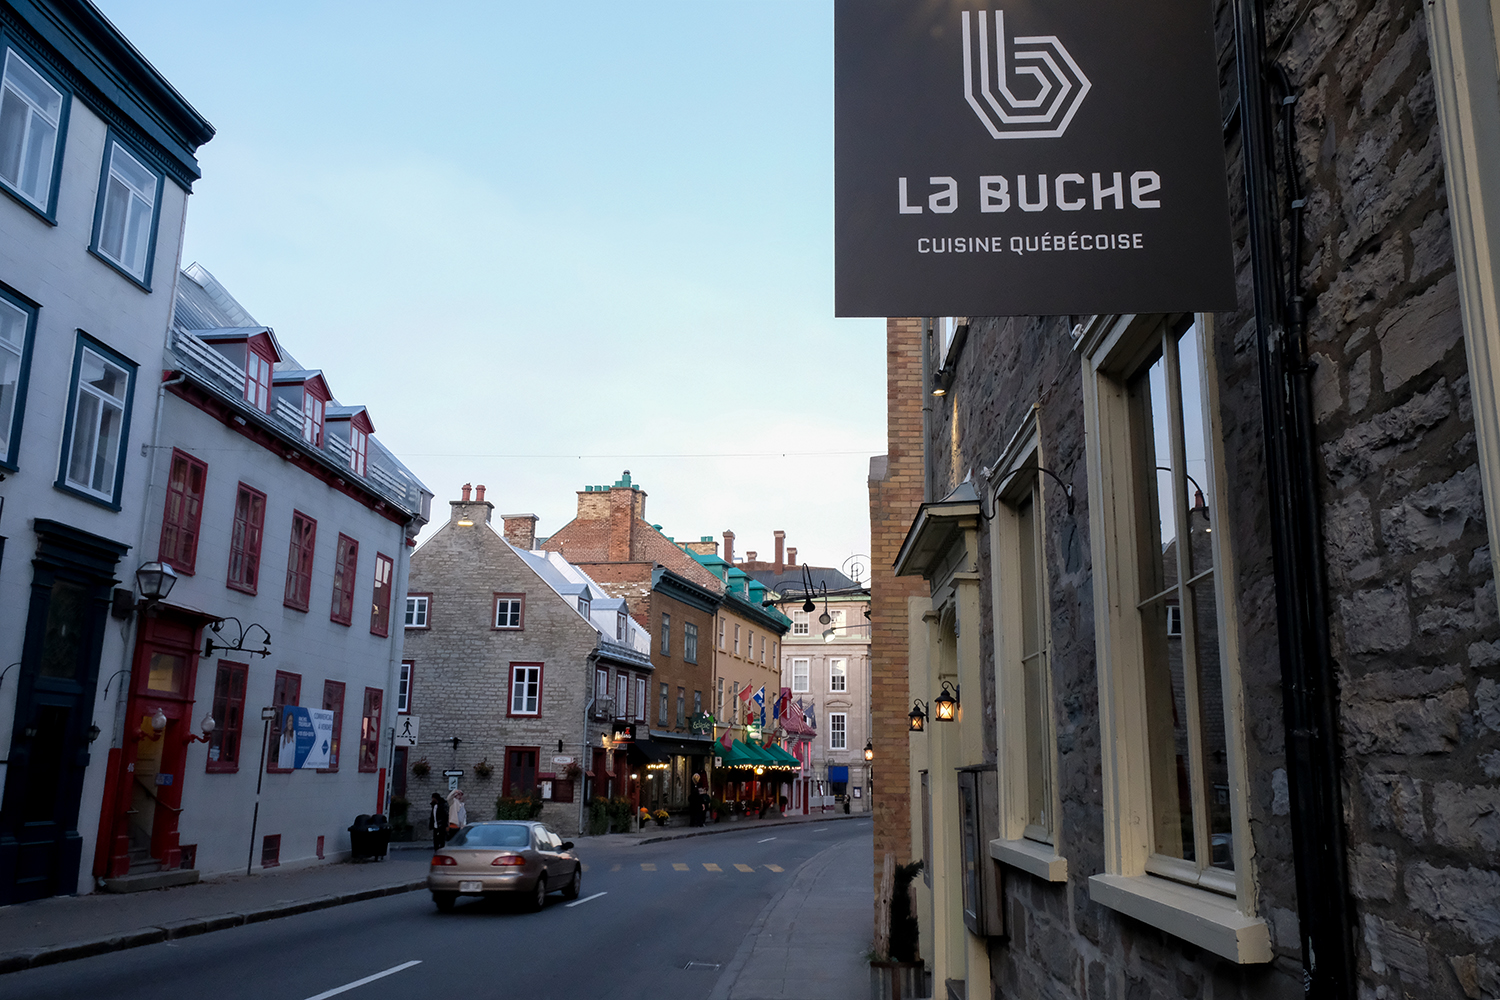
(491,836)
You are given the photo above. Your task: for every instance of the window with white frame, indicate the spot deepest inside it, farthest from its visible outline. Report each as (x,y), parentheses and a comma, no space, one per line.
(359,443)
(1150,399)
(838,674)
(836,618)
(800,623)
(619,626)
(736,638)
(721,632)
(1174,621)
(838,731)
(640,699)
(313,410)
(622,696)
(508,611)
(17,322)
(258,381)
(127,213)
(585,605)
(763,649)
(525,689)
(99,413)
(30,124)
(801,674)
(416,610)
(403,688)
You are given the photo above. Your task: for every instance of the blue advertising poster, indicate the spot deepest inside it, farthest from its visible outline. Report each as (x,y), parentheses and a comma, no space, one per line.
(306,739)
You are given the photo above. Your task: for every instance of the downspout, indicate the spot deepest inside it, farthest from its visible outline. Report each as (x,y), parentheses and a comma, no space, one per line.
(588,673)
(1308,684)
(926,407)
(398,647)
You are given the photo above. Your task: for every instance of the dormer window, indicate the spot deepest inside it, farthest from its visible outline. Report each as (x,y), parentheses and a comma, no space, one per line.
(312,419)
(585,605)
(620,626)
(258,380)
(359,443)
(253,351)
(300,397)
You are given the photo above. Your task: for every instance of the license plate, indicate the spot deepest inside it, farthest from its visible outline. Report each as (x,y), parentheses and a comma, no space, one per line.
(470,886)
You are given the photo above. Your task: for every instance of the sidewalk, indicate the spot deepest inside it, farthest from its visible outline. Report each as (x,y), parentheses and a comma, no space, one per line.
(812,941)
(64,928)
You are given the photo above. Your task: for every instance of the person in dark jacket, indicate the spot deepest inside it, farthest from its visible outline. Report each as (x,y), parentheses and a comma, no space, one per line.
(439,821)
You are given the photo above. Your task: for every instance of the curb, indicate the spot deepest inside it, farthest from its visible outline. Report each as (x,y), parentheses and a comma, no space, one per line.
(759,825)
(33,958)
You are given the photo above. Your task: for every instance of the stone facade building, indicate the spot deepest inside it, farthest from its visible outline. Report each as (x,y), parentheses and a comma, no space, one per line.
(1161,802)
(517,654)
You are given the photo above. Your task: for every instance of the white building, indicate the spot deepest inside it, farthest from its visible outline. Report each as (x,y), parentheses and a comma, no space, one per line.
(97,157)
(287,525)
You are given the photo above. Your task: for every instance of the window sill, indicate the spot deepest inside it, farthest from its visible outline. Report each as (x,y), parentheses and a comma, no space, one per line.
(1041,860)
(109,503)
(1204,918)
(141,282)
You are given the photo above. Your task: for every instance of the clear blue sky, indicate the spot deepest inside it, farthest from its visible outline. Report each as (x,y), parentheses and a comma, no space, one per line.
(536,229)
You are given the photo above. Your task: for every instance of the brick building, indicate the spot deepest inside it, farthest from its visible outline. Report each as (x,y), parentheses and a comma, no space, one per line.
(683,614)
(1266,759)
(523,658)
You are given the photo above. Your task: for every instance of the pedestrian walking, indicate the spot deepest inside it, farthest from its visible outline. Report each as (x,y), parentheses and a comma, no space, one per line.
(439,821)
(458,813)
(695,803)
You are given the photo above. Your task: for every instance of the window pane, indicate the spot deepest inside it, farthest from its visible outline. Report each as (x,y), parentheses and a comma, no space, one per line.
(85,433)
(1034,671)
(1211,696)
(12,339)
(112,224)
(19,76)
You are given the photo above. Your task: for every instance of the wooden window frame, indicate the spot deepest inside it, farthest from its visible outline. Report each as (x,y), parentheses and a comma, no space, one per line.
(345,579)
(666,634)
(1112,350)
(299,563)
(340,689)
(510,690)
(369,734)
(640,699)
(258,376)
(227,733)
(405,679)
(536,770)
(189,519)
(380,597)
(286,681)
(495,625)
(426,613)
(689,642)
(807,684)
(836,731)
(830,661)
(1013,484)
(245,539)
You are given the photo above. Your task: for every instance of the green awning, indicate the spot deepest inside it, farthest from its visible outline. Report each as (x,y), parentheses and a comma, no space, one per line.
(734,755)
(782,757)
(757,754)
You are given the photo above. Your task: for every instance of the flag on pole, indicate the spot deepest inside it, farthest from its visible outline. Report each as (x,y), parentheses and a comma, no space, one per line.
(760,698)
(745,693)
(776,705)
(728,738)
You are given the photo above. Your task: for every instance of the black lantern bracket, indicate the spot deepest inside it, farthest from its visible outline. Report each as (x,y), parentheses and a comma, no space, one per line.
(238,645)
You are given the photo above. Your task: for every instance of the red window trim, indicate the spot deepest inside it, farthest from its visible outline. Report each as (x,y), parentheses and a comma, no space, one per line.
(338,725)
(510,690)
(299,565)
(495,613)
(369,735)
(411,676)
(226,734)
(184,564)
(345,577)
(251,554)
(380,611)
(275,732)
(417,628)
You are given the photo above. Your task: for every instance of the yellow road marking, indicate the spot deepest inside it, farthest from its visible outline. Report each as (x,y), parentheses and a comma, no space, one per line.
(648,868)
(679,866)
(774,868)
(709,866)
(615,868)
(744,868)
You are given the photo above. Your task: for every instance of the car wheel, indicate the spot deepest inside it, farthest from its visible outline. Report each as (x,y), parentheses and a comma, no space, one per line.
(444,900)
(575,885)
(540,899)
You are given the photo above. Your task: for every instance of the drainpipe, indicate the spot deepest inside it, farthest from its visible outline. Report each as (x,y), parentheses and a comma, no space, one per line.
(399,583)
(1309,690)
(588,707)
(926,407)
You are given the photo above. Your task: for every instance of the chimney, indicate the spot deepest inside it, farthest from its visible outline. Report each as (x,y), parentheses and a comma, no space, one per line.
(471,509)
(750,556)
(467,488)
(520,530)
(729,547)
(622,507)
(791,557)
(479,494)
(780,550)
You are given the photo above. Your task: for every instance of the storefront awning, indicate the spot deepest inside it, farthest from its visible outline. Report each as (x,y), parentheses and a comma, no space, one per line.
(645,752)
(782,757)
(734,755)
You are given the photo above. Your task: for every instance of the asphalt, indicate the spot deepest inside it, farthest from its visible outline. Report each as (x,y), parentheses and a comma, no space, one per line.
(67,928)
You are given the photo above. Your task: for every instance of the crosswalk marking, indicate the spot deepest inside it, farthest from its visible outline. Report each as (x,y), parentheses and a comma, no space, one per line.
(774,868)
(710,866)
(648,868)
(679,866)
(744,868)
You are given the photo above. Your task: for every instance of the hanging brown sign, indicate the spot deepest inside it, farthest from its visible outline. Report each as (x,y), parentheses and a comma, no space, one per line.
(1028,158)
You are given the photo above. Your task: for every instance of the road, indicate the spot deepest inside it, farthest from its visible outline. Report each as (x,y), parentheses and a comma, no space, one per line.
(658,921)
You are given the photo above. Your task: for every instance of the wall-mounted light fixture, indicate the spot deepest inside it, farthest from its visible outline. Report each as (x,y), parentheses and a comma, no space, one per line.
(869,750)
(154,580)
(945,705)
(238,645)
(208,724)
(917,717)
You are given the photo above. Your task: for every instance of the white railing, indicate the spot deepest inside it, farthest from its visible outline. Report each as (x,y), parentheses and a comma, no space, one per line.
(211,359)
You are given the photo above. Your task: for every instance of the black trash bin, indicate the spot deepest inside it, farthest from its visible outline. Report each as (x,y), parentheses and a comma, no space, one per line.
(369,837)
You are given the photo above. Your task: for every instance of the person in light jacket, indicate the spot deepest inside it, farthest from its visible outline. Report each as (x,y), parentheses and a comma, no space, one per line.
(439,822)
(458,813)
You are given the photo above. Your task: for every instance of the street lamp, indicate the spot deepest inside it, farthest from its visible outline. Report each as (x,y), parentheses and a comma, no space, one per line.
(946,703)
(917,717)
(869,750)
(155,581)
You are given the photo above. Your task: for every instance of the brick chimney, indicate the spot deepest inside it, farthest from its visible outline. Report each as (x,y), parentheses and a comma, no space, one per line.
(479,493)
(791,556)
(520,530)
(780,550)
(750,556)
(467,488)
(471,508)
(705,546)
(622,508)
(729,547)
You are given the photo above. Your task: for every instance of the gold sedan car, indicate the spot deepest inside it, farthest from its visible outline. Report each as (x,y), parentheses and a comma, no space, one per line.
(504,857)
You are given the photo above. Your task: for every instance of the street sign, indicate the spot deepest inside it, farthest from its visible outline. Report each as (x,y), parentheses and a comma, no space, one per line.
(453,777)
(562,761)
(1028,158)
(407,727)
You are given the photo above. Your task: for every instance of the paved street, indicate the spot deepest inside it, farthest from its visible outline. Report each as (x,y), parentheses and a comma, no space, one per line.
(712,916)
